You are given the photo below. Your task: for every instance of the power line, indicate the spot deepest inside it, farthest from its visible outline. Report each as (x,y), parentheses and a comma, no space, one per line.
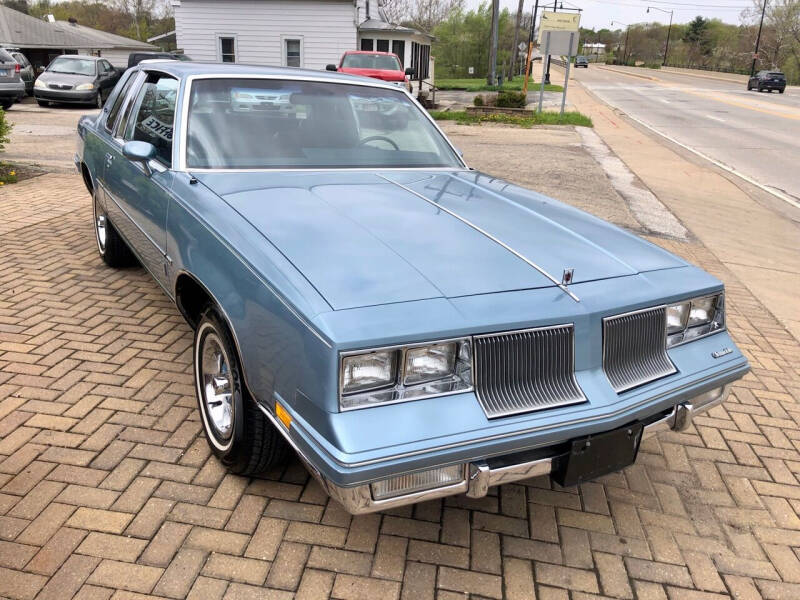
(678,7)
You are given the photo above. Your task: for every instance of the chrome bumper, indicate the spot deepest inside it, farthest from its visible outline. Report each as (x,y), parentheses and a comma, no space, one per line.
(479,475)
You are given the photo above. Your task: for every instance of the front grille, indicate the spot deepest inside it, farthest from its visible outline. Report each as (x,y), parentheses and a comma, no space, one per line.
(635,348)
(523,371)
(60,86)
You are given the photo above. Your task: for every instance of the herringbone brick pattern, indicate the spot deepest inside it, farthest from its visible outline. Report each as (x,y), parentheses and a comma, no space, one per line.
(107,489)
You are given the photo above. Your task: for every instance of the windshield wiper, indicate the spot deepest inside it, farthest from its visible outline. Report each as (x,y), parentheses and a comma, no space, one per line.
(71,73)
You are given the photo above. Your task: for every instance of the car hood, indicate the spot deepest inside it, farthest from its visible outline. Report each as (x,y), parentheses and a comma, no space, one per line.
(364,238)
(65,78)
(375,73)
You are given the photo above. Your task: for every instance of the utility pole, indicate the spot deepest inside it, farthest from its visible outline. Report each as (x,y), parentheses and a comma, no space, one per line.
(491,79)
(758,39)
(669,29)
(627,31)
(514,49)
(530,47)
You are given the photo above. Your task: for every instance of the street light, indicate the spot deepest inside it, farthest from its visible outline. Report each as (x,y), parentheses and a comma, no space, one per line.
(669,29)
(627,31)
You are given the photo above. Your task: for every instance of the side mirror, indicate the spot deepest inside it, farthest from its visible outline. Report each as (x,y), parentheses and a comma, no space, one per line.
(39,70)
(410,71)
(141,152)
(331,68)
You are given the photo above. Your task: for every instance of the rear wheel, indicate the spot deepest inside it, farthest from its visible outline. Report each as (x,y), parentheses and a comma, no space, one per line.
(780,91)
(239,434)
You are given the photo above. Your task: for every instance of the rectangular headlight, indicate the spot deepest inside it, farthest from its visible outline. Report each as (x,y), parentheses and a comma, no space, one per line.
(695,318)
(361,372)
(398,373)
(428,363)
(417,482)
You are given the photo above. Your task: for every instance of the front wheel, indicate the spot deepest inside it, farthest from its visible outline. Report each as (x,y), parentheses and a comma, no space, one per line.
(6,104)
(43,103)
(113,249)
(239,434)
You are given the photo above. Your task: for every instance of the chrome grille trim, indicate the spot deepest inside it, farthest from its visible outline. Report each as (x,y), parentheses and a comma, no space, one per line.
(527,370)
(635,348)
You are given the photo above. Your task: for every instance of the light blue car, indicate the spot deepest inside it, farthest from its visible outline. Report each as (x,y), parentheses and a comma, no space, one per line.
(410,327)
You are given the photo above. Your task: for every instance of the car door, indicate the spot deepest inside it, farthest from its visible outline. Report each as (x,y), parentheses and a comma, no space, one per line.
(105,77)
(139,195)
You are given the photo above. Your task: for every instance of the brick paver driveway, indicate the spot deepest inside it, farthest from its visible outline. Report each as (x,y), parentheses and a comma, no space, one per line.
(107,488)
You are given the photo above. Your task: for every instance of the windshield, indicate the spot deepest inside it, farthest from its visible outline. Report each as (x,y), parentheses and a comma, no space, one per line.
(267,123)
(75,66)
(383,62)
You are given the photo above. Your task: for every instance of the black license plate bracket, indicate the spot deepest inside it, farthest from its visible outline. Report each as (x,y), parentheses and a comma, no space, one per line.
(593,456)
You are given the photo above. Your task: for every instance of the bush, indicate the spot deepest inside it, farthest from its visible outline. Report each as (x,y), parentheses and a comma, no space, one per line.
(5,130)
(509,99)
(478,100)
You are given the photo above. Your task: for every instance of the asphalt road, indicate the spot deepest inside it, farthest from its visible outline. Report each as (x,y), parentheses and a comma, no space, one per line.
(757,134)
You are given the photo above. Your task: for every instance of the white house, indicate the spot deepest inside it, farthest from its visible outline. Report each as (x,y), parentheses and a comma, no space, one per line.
(294,33)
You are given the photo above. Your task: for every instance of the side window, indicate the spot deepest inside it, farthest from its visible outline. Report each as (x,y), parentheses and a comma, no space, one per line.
(106,65)
(153,115)
(118,102)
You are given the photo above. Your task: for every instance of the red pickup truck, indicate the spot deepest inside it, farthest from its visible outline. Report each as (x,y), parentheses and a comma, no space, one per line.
(378,65)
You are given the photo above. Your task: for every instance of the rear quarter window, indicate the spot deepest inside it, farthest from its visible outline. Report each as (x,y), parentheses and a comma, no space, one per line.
(5,56)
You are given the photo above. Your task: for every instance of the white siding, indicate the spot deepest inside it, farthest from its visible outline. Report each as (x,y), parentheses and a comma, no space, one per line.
(326,28)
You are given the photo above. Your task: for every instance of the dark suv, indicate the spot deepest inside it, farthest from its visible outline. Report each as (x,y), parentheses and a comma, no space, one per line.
(767,80)
(134,58)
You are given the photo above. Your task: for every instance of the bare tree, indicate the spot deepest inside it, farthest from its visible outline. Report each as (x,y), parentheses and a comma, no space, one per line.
(424,15)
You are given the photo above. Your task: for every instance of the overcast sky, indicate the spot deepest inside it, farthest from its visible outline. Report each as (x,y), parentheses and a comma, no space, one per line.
(599,13)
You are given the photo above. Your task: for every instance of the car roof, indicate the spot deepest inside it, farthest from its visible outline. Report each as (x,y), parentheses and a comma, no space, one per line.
(183,69)
(370,52)
(81,56)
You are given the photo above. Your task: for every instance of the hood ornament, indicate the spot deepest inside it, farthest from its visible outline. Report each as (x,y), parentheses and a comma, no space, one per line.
(567,276)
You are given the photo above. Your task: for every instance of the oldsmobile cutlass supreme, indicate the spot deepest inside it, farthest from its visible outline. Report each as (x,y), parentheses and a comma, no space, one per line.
(410,327)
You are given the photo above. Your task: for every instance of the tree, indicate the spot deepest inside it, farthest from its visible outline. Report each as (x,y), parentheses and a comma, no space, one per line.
(20,5)
(424,15)
(697,36)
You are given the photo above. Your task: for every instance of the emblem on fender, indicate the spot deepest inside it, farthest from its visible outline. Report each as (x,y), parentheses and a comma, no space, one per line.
(567,276)
(721,353)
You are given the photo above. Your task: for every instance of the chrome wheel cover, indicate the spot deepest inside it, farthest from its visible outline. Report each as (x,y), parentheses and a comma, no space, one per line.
(100,229)
(215,386)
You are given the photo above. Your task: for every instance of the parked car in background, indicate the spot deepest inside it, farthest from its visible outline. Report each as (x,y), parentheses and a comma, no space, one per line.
(76,79)
(767,80)
(12,87)
(412,328)
(134,58)
(378,65)
(26,71)
(581,61)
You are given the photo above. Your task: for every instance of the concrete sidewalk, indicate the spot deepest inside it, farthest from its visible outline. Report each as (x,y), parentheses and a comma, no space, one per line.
(751,233)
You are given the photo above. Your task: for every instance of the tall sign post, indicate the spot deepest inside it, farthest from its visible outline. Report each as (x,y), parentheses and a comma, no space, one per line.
(559,43)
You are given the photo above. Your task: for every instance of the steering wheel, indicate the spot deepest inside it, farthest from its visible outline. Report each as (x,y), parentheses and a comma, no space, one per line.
(379,138)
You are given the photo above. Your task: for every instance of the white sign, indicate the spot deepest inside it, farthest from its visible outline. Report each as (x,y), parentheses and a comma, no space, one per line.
(556,21)
(559,44)
(471,70)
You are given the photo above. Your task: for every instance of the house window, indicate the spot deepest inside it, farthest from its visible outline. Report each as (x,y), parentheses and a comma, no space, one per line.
(420,59)
(227,49)
(366,44)
(383,45)
(399,48)
(293,52)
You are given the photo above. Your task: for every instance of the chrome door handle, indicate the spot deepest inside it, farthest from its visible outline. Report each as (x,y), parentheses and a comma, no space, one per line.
(109,159)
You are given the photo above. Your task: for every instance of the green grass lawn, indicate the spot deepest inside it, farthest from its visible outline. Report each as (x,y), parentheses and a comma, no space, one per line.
(479,85)
(542,118)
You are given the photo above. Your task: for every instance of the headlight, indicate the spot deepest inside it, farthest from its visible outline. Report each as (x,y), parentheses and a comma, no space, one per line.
(368,371)
(386,375)
(427,363)
(39,84)
(695,318)
(84,86)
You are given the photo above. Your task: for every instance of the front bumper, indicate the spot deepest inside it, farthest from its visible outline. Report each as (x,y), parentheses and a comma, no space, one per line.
(68,97)
(480,475)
